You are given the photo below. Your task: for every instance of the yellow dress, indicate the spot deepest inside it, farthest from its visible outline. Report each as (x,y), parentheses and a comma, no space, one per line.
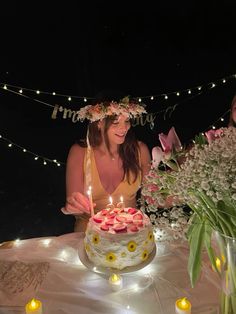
(101,196)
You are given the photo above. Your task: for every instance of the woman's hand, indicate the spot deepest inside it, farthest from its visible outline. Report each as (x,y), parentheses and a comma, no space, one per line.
(77,203)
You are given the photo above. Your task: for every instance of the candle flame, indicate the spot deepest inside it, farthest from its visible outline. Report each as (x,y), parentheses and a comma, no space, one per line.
(121,199)
(115,278)
(183,304)
(218,264)
(110,199)
(33,304)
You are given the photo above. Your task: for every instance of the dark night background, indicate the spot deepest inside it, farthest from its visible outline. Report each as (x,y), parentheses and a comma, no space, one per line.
(80,49)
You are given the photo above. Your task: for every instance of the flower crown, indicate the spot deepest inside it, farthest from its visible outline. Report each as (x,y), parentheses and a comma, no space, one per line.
(131,109)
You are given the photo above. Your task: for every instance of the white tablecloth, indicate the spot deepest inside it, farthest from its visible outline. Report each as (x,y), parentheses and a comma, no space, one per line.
(70,288)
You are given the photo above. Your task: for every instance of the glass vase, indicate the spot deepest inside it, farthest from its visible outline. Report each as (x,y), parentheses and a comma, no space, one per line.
(226,267)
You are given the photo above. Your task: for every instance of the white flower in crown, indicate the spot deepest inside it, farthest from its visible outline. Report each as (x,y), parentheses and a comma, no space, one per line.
(99,111)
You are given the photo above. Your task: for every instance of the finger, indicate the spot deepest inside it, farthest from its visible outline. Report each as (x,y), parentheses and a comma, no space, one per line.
(82,201)
(73,210)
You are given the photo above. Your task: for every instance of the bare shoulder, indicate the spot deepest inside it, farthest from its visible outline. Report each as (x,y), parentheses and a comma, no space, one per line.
(143,148)
(76,153)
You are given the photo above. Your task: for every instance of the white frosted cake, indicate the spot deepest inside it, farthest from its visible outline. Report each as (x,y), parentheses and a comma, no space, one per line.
(119,237)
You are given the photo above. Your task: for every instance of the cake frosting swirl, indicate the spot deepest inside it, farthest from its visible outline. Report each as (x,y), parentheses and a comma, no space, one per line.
(119,238)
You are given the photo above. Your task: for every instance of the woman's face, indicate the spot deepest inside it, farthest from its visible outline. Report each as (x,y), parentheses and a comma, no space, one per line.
(118,129)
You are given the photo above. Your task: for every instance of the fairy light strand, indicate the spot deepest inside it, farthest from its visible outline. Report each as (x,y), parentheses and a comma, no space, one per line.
(165,95)
(37,157)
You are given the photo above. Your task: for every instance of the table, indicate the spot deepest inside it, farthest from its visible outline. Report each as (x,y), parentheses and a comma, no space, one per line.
(69,287)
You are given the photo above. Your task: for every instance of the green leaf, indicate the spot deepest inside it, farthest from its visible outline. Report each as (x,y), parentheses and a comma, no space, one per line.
(210,251)
(200,139)
(196,241)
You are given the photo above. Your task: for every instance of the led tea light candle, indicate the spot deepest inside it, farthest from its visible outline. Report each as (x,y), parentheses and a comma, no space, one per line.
(121,204)
(34,307)
(110,205)
(182,306)
(91,200)
(115,282)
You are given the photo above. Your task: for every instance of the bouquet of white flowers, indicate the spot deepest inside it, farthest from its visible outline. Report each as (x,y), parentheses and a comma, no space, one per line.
(206,182)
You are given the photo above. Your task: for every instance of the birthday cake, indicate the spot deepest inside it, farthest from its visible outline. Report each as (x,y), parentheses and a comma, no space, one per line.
(119,237)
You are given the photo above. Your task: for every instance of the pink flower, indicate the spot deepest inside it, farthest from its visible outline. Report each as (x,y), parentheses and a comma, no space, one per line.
(168,142)
(153,187)
(212,134)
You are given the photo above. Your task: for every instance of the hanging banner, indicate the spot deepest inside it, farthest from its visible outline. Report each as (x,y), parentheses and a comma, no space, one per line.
(73,115)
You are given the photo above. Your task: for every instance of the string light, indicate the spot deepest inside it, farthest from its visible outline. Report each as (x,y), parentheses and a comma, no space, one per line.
(69,97)
(36,157)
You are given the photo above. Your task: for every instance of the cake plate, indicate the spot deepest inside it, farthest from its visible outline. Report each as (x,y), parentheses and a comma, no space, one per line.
(108,270)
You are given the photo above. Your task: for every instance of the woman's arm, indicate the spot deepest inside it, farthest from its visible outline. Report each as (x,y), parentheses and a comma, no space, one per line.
(76,201)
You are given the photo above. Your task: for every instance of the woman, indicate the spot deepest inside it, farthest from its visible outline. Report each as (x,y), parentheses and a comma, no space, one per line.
(111,161)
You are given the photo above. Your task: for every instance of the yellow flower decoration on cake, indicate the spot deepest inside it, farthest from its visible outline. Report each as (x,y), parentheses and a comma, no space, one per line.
(87,247)
(144,255)
(110,257)
(131,246)
(150,236)
(96,239)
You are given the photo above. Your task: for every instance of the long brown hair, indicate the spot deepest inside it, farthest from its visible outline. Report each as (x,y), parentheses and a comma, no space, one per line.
(128,151)
(231,121)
